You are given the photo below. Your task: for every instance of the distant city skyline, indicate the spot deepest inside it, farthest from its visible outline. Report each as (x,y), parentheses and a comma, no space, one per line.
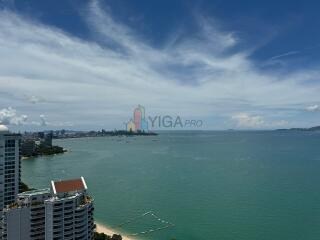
(86,64)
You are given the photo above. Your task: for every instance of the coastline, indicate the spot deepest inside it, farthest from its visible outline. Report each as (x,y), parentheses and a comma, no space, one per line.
(44,155)
(100,228)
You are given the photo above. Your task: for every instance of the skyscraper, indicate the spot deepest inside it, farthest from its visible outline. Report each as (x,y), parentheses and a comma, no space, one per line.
(25,219)
(69,212)
(9,169)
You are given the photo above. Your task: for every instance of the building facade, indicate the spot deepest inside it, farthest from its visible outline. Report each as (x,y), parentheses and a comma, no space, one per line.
(63,212)
(9,169)
(69,213)
(25,219)
(9,166)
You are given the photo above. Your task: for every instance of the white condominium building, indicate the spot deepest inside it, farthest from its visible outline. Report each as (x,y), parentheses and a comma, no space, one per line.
(69,213)
(64,212)
(25,219)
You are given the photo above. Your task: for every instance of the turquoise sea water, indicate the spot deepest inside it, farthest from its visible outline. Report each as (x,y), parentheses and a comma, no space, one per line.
(211,185)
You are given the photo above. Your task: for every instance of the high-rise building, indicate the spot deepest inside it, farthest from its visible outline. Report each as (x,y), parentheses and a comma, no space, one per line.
(9,166)
(25,219)
(9,169)
(61,213)
(69,213)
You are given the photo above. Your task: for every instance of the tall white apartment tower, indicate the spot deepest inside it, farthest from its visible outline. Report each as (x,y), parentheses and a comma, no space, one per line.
(25,219)
(69,213)
(9,166)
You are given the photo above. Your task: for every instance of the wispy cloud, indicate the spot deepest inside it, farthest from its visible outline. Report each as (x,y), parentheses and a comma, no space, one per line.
(34,99)
(249,121)
(98,83)
(313,108)
(45,123)
(245,120)
(284,55)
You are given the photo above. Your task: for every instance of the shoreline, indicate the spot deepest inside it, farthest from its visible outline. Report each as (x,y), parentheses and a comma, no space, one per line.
(44,155)
(101,228)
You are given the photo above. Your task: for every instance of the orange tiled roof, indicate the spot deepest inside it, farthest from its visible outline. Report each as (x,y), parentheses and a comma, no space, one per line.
(69,185)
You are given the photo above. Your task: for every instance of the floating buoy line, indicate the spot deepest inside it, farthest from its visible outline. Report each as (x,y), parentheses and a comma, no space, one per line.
(150,213)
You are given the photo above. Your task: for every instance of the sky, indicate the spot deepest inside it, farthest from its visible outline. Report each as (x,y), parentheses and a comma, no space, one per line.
(86,64)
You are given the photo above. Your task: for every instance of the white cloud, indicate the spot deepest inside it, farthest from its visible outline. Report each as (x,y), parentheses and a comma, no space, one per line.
(44,123)
(244,120)
(250,121)
(9,116)
(43,120)
(33,99)
(313,108)
(90,83)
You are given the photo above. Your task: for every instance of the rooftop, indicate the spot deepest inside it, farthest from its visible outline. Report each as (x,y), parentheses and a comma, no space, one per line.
(72,185)
(34,192)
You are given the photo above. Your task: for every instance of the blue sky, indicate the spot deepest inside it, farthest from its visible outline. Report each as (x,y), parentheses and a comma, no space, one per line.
(87,64)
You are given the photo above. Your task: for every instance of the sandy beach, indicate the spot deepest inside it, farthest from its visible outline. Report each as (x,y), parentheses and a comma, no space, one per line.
(106,230)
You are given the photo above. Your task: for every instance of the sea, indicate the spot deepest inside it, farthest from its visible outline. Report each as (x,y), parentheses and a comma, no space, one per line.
(206,185)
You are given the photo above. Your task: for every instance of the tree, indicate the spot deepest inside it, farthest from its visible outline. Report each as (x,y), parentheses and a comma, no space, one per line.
(24,187)
(116,237)
(102,236)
